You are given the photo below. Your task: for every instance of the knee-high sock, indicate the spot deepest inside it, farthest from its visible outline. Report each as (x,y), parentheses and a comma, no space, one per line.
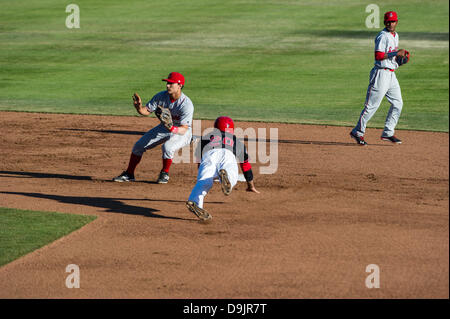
(166,164)
(134,161)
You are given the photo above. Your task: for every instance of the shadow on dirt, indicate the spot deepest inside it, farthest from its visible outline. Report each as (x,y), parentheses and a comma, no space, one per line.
(112,205)
(245,139)
(259,140)
(46,175)
(123,132)
(88,178)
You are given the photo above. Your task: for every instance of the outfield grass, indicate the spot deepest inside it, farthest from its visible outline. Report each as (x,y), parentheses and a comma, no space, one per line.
(23,231)
(286,61)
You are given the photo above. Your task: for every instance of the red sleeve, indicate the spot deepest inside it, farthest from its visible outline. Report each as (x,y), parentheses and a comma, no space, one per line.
(379,55)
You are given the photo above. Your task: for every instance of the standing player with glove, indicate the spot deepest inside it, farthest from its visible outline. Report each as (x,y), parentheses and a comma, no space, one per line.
(383,82)
(218,151)
(175,111)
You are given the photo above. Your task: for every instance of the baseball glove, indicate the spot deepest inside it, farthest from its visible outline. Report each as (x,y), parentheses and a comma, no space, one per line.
(402,59)
(163,114)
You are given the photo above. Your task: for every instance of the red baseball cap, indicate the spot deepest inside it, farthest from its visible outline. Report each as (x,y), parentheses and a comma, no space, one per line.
(175,77)
(390,16)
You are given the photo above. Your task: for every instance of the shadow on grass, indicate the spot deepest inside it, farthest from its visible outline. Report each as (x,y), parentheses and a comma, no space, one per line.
(369,34)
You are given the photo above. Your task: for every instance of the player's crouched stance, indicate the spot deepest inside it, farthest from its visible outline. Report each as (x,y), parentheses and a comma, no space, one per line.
(175,111)
(219,150)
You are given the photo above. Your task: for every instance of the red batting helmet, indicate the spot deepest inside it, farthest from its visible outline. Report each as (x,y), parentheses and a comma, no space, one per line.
(390,16)
(224,124)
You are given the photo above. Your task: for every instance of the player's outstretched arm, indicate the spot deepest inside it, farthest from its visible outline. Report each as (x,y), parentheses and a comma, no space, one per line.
(137,102)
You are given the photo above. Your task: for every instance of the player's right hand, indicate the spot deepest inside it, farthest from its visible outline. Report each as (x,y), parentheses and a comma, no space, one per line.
(253,190)
(251,187)
(401,53)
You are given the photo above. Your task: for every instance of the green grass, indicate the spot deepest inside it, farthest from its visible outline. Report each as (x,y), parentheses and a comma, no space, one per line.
(282,61)
(23,231)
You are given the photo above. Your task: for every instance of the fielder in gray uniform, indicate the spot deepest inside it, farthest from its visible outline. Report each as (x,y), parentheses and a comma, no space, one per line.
(179,135)
(383,82)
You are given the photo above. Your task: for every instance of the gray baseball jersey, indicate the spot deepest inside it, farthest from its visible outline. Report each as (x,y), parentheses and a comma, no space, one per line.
(386,42)
(182,110)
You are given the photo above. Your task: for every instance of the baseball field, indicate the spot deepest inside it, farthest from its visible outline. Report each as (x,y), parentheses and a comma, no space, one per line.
(329,212)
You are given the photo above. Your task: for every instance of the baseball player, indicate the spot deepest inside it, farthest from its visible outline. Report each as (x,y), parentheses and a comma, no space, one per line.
(383,82)
(219,150)
(175,110)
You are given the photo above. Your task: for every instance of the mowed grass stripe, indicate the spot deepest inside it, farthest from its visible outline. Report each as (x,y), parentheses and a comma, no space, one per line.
(286,61)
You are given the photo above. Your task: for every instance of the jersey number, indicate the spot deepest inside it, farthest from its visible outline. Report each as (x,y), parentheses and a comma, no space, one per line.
(216,140)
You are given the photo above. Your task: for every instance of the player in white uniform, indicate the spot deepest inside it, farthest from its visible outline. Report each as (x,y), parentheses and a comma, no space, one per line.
(180,135)
(218,151)
(383,82)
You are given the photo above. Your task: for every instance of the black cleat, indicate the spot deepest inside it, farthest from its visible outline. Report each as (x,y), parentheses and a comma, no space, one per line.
(392,139)
(124,177)
(163,178)
(358,139)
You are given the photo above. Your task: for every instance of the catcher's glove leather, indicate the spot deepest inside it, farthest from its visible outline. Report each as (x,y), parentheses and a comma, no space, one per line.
(402,59)
(163,114)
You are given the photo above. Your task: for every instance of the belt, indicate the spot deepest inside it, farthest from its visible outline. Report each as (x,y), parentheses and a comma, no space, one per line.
(392,70)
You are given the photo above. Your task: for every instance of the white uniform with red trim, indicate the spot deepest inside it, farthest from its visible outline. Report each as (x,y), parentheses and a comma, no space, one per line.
(182,111)
(383,82)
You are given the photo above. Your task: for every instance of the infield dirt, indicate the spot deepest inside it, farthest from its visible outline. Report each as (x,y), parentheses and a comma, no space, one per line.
(331,209)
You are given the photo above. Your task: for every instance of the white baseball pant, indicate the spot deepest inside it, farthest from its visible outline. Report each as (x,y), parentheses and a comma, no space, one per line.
(213,161)
(382,83)
(158,135)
